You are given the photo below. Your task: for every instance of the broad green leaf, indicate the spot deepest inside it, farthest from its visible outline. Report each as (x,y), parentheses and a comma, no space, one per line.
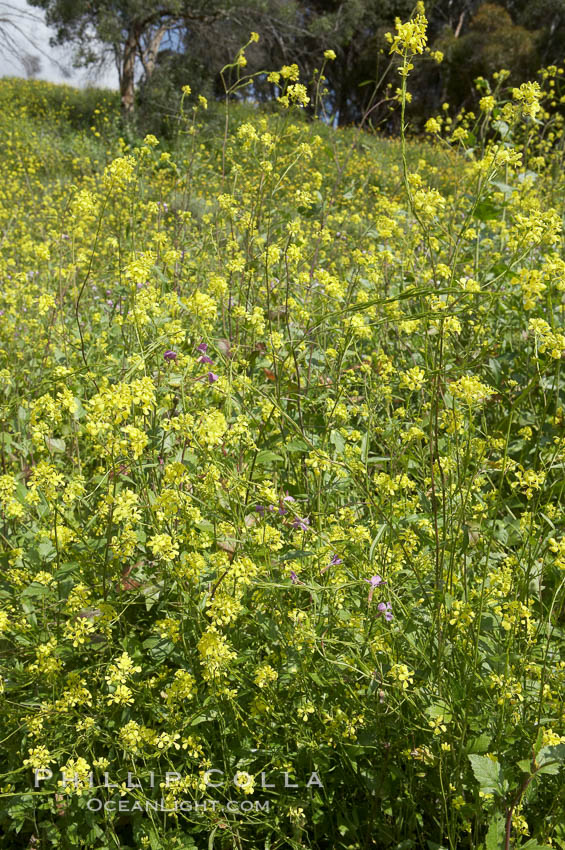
(487,772)
(551,753)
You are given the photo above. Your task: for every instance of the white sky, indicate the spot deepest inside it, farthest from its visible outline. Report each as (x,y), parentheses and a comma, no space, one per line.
(33,38)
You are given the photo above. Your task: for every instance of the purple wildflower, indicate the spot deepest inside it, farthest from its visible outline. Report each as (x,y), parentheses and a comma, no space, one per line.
(204,359)
(170,355)
(302,523)
(386,609)
(333,563)
(282,509)
(374,581)
(212,378)
(260,509)
(202,347)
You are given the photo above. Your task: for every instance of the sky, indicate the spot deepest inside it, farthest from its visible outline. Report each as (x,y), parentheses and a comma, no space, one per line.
(34,39)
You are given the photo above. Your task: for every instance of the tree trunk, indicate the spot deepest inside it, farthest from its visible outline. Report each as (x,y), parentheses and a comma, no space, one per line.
(127,76)
(150,54)
(457,32)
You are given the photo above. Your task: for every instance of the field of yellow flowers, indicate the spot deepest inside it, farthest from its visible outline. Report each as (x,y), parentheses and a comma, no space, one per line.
(282,449)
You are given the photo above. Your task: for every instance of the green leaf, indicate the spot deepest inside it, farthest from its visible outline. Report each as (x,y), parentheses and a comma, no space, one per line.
(45,549)
(34,590)
(539,741)
(154,839)
(487,772)
(495,834)
(337,440)
(55,444)
(268,457)
(487,211)
(503,187)
(439,709)
(158,648)
(552,753)
(297,555)
(296,446)
(501,127)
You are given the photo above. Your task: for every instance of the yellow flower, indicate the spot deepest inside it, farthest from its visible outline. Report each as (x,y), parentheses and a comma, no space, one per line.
(487,103)
(402,674)
(413,379)
(411,36)
(470,390)
(432,126)
(163,547)
(265,674)
(528,96)
(38,758)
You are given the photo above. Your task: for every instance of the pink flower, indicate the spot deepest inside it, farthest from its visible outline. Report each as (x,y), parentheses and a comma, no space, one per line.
(374,581)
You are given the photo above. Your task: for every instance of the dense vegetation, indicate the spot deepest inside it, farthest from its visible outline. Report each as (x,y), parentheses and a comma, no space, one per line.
(158,46)
(282,445)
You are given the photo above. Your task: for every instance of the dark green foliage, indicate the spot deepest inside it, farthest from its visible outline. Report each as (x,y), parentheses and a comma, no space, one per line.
(491,42)
(158,47)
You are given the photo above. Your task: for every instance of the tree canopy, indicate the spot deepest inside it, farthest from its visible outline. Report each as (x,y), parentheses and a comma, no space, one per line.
(159,45)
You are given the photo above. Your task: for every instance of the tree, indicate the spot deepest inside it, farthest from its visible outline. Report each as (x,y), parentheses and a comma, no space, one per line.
(546,18)
(131,32)
(158,45)
(128,31)
(491,42)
